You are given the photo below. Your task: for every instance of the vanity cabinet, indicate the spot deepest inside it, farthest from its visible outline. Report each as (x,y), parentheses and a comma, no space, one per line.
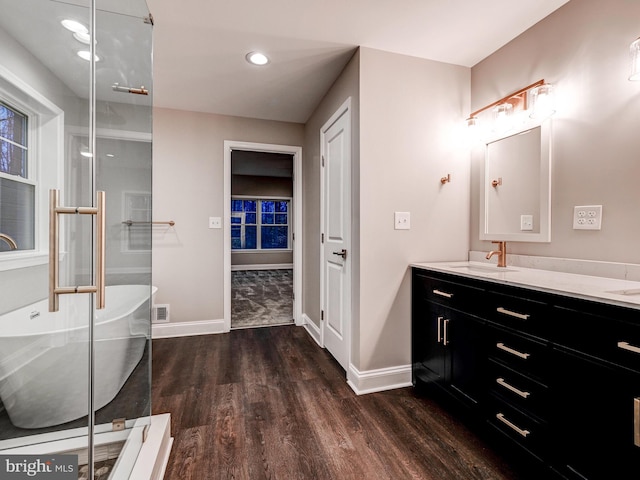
(597,386)
(445,350)
(556,376)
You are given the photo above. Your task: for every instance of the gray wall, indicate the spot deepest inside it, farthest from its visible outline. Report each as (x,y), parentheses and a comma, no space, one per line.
(347,85)
(188,183)
(410,116)
(583,48)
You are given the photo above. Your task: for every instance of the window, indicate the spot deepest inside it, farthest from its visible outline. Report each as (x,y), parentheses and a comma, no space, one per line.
(260,223)
(17,188)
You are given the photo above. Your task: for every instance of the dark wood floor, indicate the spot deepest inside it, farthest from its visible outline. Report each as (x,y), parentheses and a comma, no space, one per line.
(268,403)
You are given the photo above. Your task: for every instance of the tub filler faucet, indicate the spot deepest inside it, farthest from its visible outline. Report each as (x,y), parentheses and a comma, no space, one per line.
(10,241)
(501,252)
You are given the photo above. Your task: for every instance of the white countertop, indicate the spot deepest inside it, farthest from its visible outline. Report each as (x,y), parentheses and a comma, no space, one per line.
(625,293)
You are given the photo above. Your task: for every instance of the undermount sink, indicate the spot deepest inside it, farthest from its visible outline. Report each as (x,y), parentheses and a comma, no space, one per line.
(482,269)
(632,291)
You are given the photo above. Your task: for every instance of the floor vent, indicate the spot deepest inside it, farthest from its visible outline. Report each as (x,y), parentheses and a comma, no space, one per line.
(161,313)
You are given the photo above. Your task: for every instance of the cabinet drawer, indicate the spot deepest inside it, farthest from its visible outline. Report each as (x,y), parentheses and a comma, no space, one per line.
(450,294)
(605,337)
(518,390)
(522,354)
(523,314)
(527,431)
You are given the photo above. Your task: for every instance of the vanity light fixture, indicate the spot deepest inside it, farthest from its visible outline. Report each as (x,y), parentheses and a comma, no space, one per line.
(542,102)
(634,51)
(503,117)
(516,102)
(257,58)
(446,179)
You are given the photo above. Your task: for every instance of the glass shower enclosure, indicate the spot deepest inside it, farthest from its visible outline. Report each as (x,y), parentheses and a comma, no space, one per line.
(75,233)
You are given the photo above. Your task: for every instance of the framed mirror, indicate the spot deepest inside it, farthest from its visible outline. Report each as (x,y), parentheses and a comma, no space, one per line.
(515,202)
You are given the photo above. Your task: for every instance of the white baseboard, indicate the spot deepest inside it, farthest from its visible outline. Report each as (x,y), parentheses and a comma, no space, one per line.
(263,266)
(312,329)
(378,380)
(185,329)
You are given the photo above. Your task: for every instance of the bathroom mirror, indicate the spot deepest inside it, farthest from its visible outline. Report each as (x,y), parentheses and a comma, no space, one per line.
(516,191)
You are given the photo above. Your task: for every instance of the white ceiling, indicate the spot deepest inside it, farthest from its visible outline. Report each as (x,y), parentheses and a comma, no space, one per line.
(199,46)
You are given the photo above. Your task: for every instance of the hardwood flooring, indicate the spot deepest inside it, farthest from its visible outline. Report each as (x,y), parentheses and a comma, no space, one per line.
(268,403)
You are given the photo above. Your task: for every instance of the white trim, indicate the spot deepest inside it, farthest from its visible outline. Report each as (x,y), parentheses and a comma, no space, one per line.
(297,243)
(262,266)
(378,380)
(35,105)
(187,329)
(312,329)
(152,460)
(149,457)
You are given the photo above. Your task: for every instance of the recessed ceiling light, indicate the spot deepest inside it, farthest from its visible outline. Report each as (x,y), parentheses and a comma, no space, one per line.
(86,55)
(86,153)
(74,26)
(82,37)
(257,58)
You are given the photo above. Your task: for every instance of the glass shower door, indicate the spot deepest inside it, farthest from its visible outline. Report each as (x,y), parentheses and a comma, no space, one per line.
(75,120)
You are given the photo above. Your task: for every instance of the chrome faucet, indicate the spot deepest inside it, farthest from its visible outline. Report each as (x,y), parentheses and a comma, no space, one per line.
(10,241)
(501,252)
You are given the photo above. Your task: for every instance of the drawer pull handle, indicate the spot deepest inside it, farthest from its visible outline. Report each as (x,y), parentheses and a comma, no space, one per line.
(636,422)
(445,340)
(442,294)
(515,390)
(630,348)
(502,346)
(521,316)
(501,417)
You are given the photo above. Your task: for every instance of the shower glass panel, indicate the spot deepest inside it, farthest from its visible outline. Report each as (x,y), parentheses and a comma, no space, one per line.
(76,380)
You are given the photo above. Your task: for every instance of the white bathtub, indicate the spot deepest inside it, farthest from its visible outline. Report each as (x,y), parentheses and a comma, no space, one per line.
(44,356)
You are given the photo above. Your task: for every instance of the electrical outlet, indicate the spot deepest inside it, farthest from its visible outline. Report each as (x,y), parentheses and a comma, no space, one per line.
(587,217)
(215,222)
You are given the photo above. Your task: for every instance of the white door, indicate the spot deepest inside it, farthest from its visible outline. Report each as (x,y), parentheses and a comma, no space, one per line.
(336,224)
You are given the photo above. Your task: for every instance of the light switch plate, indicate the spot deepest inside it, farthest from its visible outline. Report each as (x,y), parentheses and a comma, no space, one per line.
(215,222)
(402,220)
(526,222)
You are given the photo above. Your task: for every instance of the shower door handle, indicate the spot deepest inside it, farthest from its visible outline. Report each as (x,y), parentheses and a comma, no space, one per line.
(54,250)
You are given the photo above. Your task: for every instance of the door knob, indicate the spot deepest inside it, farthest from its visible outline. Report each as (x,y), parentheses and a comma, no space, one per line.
(342,253)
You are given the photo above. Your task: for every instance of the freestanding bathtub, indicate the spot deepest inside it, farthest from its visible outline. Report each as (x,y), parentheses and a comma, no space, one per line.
(44,356)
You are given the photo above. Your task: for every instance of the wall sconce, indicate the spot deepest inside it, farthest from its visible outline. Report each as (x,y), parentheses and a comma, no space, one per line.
(634,51)
(533,97)
(446,179)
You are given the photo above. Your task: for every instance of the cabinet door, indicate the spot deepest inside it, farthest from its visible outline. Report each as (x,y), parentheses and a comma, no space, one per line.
(429,351)
(465,340)
(597,408)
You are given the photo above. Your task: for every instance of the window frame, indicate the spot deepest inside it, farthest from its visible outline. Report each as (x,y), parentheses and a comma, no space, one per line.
(258,199)
(45,124)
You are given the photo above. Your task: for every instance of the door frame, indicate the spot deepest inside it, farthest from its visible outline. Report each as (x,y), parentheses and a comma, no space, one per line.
(296,152)
(344,109)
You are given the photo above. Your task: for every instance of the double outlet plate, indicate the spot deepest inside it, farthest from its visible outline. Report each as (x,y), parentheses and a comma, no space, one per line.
(587,217)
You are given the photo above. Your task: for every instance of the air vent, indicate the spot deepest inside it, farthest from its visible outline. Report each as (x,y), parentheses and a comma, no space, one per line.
(161,313)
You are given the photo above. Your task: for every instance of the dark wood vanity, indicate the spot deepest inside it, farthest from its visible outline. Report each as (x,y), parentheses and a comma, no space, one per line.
(551,375)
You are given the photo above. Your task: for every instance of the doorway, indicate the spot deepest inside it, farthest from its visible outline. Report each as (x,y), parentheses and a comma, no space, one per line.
(262,231)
